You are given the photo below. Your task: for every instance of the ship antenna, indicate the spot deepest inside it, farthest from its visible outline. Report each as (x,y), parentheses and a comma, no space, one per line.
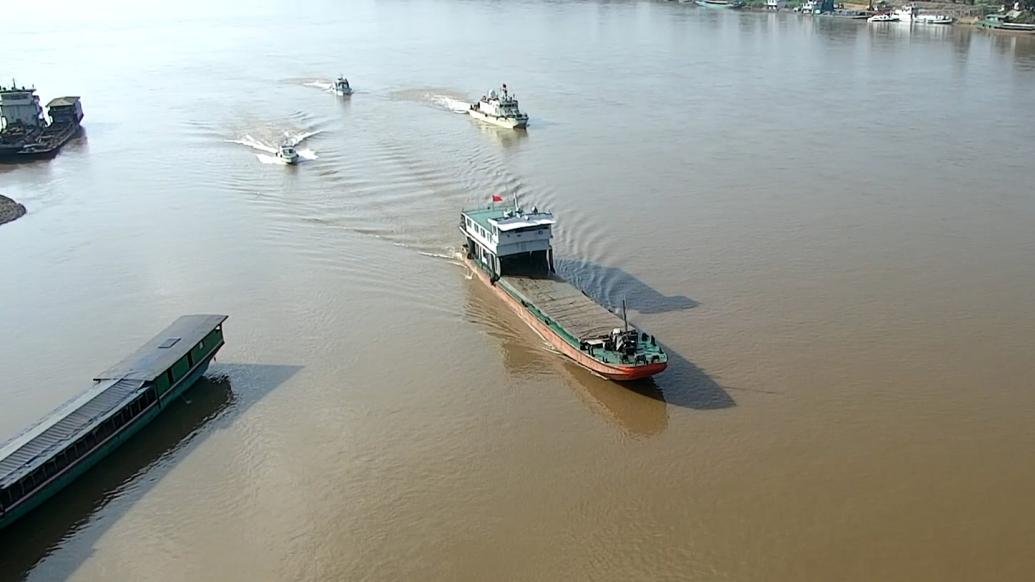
(625,316)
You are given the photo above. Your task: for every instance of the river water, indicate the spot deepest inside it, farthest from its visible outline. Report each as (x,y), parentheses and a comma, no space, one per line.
(828,225)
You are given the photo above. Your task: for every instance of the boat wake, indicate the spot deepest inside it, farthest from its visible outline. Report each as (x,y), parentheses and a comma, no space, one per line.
(268,148)
(449,103)
(323,85)
(451,256)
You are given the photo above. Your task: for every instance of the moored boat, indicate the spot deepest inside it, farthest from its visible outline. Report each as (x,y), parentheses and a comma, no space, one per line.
(910,13)
(499,108)
(717,3)
(24,130)
(933,19)
(886,17)
(1003,22)
(509,250)
(122,400)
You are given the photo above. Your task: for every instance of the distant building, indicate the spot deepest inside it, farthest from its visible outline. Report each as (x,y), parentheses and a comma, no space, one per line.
(775,4)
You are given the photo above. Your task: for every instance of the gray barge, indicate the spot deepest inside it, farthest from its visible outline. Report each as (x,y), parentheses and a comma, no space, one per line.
(24,131)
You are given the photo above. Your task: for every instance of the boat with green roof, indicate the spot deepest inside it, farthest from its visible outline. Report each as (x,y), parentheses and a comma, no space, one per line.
(49,455)
(509,249)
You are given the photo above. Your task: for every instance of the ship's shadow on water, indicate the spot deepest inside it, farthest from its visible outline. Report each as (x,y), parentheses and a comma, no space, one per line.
(683,383)
(80,514)
(610,285)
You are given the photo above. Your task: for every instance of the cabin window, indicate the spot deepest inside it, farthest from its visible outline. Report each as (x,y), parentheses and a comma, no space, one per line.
(190,360)
(169,376)
(5,498)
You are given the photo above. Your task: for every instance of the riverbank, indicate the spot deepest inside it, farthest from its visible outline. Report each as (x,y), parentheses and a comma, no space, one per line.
(10,210)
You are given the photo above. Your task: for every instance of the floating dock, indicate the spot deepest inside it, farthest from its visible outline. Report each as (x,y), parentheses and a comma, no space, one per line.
(51,454)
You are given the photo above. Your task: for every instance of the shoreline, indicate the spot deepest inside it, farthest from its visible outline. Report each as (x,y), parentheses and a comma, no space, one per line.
(10,210)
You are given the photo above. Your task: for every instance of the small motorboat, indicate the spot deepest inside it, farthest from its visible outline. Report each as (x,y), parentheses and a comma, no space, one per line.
(341,86)
(884,18)
(287,153)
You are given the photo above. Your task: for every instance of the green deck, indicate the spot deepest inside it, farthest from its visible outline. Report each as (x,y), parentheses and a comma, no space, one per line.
(575,317)
(482,215)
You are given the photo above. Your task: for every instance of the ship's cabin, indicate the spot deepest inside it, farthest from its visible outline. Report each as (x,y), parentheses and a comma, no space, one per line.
(65,110)
(20,106)
(509,241)
(502,103)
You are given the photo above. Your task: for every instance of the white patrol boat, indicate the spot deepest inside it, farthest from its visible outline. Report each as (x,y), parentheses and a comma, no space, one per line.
(499,109)
(342,87)
(287,153)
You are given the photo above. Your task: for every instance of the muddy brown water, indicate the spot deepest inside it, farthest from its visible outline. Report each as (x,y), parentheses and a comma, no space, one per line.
(828,225)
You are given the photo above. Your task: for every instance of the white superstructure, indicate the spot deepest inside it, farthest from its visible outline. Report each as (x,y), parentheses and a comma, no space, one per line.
(499,108)
(20,106)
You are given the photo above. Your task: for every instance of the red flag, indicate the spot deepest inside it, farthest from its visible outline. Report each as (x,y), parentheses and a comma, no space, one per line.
(497,198)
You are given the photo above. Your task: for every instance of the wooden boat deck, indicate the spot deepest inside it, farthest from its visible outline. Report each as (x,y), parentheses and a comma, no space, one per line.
(565,304)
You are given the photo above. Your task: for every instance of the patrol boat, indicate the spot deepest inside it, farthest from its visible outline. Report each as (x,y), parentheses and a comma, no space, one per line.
(509,250)
(499,108)
(123,399)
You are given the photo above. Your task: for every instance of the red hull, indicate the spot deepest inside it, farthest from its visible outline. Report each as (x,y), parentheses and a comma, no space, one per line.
(621,373)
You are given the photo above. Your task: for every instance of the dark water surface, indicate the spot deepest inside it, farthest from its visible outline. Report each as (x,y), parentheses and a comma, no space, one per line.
(828,224)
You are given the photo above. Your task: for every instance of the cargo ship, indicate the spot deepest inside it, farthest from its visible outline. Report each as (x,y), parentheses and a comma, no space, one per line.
(24,131)
(121,401)
(510,250)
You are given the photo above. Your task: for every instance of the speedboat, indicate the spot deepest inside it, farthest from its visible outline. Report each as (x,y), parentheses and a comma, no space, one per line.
(883,18)
(499,109)
(341,86)
(287,153)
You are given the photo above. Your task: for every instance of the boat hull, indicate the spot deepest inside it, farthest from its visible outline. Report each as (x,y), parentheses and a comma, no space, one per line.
(620,373)
(59,482)
(37,151)
(508,122)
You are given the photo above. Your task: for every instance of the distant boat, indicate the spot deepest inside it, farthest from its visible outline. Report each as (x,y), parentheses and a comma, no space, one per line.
(122,400)
(720,3)
(1000,22)
(933,19)
(342,87)
(287,153)
(911,14)
(883,18)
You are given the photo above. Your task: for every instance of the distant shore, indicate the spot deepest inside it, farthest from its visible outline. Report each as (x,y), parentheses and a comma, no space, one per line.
(10,210)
